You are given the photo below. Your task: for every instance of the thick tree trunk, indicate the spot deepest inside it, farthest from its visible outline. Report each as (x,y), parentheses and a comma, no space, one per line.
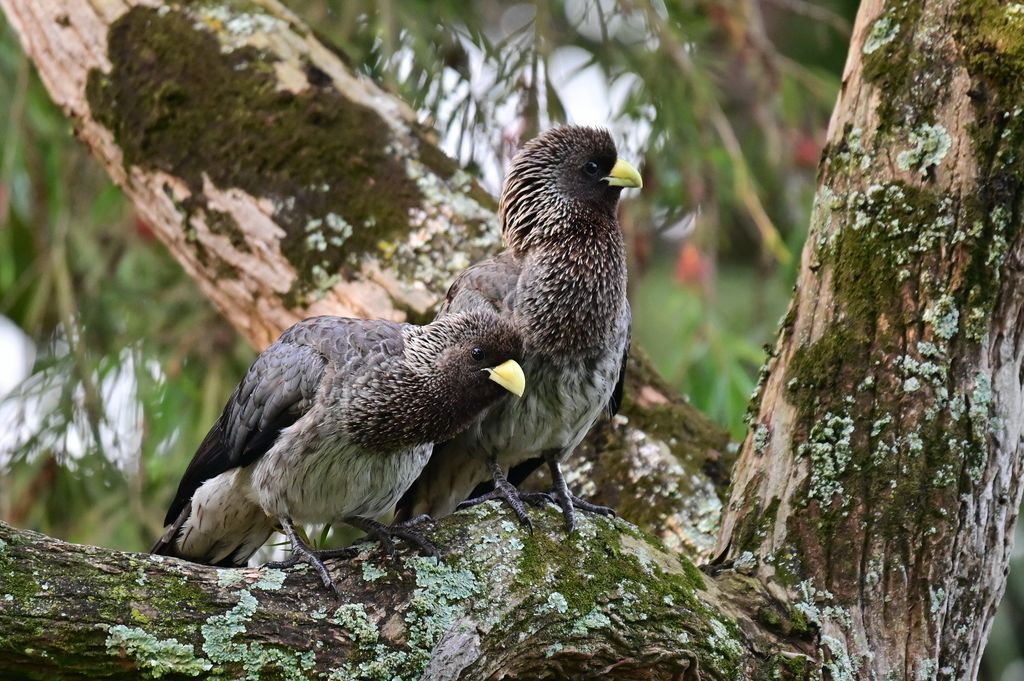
(880,483)
(875,498)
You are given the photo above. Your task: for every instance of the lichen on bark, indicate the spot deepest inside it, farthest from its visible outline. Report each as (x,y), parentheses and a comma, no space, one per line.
(881,436)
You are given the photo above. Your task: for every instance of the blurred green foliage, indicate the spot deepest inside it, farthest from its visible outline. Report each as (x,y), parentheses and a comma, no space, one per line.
(717,368)
(726,102)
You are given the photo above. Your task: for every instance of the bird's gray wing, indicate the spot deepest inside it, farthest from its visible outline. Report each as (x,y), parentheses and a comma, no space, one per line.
(489,284)
(278,389)
(275,392)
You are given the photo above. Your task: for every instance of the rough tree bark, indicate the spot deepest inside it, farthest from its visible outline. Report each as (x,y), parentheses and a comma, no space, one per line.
(880,484)
(869,525)
(503,604)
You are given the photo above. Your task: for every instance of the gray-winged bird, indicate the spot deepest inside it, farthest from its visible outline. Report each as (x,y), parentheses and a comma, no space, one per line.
(332,423)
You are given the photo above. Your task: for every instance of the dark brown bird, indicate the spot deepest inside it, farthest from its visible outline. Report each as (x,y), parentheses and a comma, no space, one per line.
(562,283)
(331,424)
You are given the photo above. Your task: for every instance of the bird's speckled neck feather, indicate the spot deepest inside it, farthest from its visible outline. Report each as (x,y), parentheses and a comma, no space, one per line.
(421,396)
(570,298)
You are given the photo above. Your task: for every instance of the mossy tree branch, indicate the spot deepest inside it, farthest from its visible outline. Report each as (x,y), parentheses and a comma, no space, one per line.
(504,603)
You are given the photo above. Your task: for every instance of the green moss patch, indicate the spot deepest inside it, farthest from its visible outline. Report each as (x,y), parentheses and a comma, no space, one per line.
(993,32)
(859,392)
(177,101)
(816,371)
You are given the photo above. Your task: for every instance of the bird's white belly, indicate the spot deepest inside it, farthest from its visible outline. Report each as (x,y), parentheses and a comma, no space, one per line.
(332,480)
(560,406)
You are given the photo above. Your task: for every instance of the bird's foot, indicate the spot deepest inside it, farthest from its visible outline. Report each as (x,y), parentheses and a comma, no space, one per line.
(566,500)
(303,554)
(569,502)
(536,499)
(590,507)
(406,530)
(506,492)
(415,521)
(329,554)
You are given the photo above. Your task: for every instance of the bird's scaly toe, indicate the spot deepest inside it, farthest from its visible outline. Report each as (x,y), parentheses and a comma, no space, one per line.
(505,492)
(476,501)
(510,495)
(584,505)
(416,539)
(564,501)
(282,564)
(416,521)
(302,552)
(311,558)
(406,530)
(569,503)
(386,543)
(329,554)
(536,498)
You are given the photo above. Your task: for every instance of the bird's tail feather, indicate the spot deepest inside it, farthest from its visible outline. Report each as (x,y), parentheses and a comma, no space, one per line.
(166,544)
(220,525)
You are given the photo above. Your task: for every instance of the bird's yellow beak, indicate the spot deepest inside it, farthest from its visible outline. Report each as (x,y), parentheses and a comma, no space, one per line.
(624,175)
(509,376)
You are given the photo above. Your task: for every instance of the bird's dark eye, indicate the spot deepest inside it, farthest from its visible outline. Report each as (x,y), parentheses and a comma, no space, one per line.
(590,168)
(478,353)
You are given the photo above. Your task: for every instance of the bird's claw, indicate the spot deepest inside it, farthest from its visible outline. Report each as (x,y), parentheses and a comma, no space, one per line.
(415,538)
(386,543)
(569,502)
(282,564)
(302,554)
(536,499)
(403,530)
(415,521)
(504,491)
(327,554)
(590,507)
(566,500)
